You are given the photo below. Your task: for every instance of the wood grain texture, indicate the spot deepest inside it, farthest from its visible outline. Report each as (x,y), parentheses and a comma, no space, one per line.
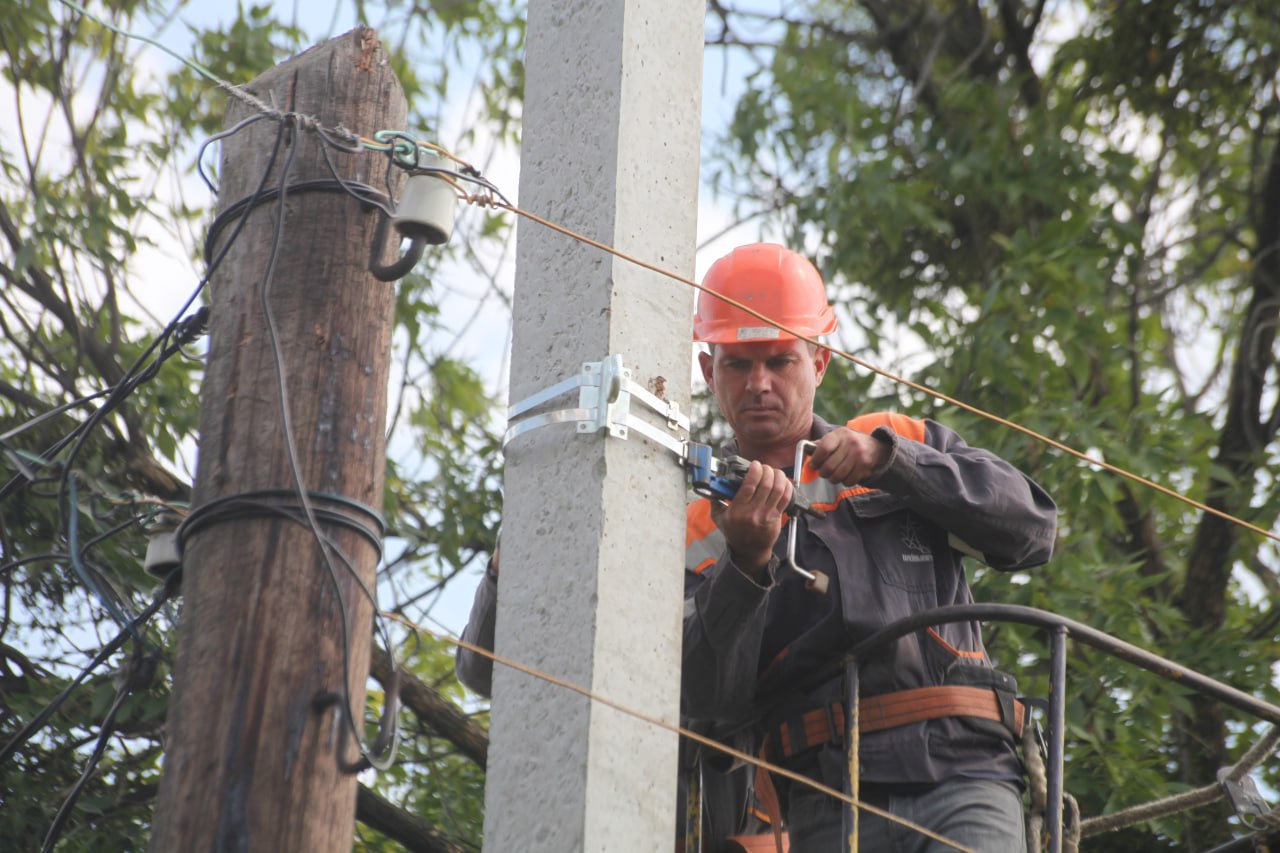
(251,763)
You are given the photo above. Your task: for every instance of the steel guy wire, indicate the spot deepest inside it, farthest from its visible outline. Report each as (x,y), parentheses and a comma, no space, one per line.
(306,122)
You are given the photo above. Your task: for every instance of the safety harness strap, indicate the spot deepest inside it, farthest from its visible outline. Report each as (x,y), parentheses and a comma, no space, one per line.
(768,797)
(889,710)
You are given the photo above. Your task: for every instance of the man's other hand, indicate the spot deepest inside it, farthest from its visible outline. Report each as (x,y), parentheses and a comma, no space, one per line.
(848,457)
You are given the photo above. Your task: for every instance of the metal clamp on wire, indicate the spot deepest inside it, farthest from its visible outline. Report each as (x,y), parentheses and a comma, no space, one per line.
(1242,792)
(604,404)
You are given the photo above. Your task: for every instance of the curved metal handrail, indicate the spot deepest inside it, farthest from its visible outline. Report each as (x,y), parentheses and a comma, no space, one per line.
(1077,631)
(1059,629)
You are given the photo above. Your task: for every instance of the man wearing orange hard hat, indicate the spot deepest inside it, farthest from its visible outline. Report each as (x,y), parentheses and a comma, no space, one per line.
(901,502)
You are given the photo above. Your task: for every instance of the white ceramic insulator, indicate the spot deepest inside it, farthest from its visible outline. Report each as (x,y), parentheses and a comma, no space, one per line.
(426,207)
(162,554)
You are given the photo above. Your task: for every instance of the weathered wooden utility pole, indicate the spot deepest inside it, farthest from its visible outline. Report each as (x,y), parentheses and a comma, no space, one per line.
(593,528)
(254,750)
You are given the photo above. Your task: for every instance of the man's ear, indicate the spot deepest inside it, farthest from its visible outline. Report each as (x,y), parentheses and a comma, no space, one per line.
(821,358)
(705,362)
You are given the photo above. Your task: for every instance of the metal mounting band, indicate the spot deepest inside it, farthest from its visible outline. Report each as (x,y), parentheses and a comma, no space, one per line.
(604,403)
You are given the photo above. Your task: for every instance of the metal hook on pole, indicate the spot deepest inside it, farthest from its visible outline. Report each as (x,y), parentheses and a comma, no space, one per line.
(397,269)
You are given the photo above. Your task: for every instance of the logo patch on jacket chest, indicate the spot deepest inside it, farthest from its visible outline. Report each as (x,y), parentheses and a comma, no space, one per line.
(916,549)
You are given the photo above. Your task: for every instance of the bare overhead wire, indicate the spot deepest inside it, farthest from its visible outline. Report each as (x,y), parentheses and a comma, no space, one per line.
(902,380)
(697,737)
(405,151)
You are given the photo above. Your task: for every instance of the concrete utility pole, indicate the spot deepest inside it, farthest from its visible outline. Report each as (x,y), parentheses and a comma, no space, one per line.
(593,528)
(253,758)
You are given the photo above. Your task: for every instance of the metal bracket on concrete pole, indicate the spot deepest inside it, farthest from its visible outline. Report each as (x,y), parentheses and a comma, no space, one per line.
(604,403)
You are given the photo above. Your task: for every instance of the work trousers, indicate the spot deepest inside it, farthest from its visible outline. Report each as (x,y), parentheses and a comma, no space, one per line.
(979,814)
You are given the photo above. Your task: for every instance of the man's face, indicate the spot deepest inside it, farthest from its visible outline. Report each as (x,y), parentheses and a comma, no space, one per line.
(765,390)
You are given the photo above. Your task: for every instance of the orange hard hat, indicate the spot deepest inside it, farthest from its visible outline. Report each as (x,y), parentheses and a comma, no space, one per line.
(779,283)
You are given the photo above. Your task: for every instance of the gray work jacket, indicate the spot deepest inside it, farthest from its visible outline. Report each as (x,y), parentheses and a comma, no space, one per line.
(894,545)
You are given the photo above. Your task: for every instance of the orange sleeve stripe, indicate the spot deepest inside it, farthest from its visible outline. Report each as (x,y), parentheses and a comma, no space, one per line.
(847,493)
(904,426)
(777,659)
(957,652)
(698,521)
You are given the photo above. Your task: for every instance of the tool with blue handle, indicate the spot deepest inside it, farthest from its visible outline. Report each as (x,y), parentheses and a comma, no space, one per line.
(719,478)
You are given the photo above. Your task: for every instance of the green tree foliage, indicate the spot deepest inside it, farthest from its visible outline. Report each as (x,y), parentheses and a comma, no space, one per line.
(97,179)
(1065,214)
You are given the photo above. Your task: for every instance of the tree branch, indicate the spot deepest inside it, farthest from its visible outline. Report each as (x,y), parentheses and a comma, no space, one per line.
(1241,451)
(1018,39)
(417,835)
(435,711)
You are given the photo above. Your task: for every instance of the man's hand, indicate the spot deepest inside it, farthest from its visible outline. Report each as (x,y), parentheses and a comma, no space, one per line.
(492,568)
(848,457)
(752,521)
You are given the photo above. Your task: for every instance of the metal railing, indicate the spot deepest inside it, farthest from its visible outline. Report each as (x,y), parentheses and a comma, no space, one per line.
(1059,630)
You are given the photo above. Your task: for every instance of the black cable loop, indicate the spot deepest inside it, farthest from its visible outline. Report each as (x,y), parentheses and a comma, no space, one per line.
(254,504)
(365,194)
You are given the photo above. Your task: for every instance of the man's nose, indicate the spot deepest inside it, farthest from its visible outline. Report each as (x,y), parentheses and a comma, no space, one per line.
(758,379)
